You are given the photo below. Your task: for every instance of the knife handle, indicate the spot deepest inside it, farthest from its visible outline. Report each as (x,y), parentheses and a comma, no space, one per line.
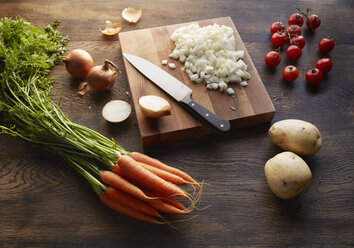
(219,124)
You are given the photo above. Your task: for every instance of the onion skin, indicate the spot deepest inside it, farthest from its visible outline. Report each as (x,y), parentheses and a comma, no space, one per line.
(102,78)
(78,63)
(154,106)
(156,114)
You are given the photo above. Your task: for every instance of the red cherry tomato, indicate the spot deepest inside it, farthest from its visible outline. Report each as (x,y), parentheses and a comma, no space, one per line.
(325,64)
(293,52)
(296,19)
(277,27)
(326,45)
(315,22)
(279,39)
(298,41)
(314,76)
(290,73)
(272,59)
(294,30)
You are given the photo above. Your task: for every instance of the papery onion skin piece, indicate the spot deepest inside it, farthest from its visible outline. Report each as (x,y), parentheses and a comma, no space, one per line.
(78,63)
(101,77)
(112,28)
(131,15)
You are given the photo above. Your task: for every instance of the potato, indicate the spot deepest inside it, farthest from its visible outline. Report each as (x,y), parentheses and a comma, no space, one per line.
(297,136)
(287,175)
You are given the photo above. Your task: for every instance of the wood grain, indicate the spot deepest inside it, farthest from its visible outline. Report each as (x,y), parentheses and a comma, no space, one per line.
(45,203)
(252,104)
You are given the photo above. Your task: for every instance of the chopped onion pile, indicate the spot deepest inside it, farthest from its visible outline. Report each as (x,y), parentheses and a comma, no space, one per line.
(209,55)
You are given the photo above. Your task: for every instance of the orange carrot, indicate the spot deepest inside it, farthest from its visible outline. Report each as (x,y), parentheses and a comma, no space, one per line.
(158,195)
(139,157)
(168,199)
(168,176)
(119,182)
(116,169)
(106,200)
(131,202)
(163,206)
(158,198)
(147,178)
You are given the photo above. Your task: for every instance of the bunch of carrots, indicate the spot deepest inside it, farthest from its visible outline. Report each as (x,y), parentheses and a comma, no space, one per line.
(140,186)
(131,183)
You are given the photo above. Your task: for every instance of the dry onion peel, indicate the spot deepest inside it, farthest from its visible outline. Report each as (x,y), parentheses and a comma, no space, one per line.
(112,28)
(131,15)
(83,88)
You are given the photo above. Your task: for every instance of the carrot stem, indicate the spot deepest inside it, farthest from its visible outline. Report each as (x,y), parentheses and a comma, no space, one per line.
(97,186)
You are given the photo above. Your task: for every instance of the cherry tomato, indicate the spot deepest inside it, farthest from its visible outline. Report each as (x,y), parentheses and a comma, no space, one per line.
(293,52)
(315,22)
(296,19)
(290,73)
(277,27)
(294,30)
(279,39)
(272,59)
(314,76)
(325,64)
(326,45)
(298,41)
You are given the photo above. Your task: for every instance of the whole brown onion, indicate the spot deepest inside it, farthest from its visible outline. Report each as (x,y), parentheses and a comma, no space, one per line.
(101,77)
(78,63)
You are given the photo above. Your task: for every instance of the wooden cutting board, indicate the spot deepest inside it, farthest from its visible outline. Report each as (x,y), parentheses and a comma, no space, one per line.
(251,104)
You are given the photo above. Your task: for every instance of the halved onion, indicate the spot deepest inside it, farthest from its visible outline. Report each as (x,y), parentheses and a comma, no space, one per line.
(112,28)
(131,15)
(116,111)
(154,106)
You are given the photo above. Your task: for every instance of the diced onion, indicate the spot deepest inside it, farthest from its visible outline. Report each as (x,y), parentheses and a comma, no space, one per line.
(243,83)
(230,91)
(214,86)
(222,86)
(172,65)
(209,54)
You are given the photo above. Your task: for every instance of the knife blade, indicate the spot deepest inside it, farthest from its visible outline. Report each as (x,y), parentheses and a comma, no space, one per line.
(178,90)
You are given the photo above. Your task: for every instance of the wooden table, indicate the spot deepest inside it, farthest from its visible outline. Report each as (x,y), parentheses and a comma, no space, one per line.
(45,203)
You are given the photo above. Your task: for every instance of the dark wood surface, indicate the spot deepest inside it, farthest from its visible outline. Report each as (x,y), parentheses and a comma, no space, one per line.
(45,203)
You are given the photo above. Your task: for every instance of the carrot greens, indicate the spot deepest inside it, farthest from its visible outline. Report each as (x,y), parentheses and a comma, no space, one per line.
(27,54)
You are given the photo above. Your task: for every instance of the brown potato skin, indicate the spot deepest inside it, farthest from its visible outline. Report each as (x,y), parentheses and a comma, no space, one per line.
(297,136)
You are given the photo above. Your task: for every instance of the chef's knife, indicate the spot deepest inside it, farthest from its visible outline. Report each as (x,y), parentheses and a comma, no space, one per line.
(179,91)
